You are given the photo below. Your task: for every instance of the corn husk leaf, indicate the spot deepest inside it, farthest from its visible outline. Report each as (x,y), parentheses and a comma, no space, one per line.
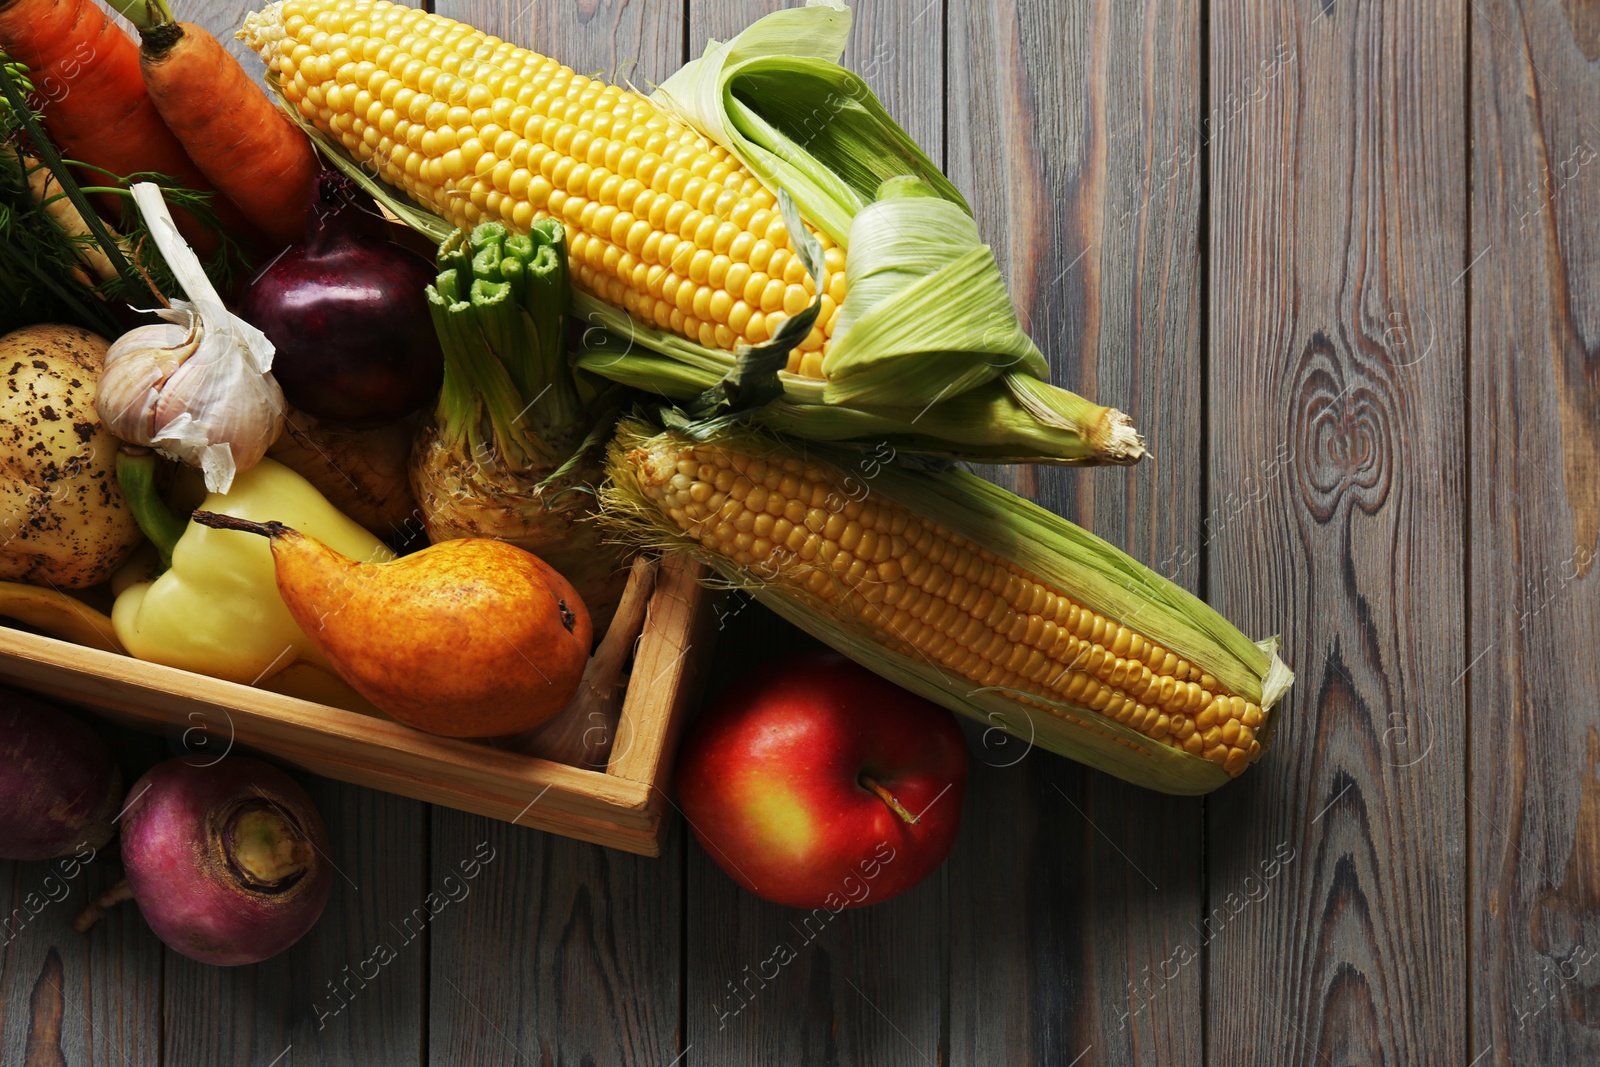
(914,253)
(1057,551)
(985,423)
(928,315)
(776,97)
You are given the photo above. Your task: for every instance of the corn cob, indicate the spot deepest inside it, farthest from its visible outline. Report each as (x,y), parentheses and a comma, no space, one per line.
(892,585)
(677,249)
(659,220)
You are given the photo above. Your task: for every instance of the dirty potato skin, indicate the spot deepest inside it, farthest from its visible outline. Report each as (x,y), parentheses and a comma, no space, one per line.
(63,519)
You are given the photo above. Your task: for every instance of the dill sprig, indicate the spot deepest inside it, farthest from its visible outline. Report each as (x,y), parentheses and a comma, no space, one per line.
(44,275)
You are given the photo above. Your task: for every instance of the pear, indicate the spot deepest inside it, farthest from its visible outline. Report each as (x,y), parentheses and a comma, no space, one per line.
(466,638)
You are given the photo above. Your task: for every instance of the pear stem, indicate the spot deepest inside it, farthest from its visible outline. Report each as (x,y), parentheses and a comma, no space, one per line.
(889,798)
(230,522)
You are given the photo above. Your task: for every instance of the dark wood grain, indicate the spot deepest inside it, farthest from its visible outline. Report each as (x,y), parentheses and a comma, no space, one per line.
(564,953)
(558,952)
(74,999)
(1073,130)
(350,991)
(1535,414)
(617,40)
(1336,910)
(864,988)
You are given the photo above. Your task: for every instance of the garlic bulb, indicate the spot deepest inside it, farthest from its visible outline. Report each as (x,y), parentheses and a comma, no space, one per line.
(198,386)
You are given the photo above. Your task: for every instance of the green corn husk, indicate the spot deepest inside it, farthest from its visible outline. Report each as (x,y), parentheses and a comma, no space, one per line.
(983,424)
(514,449)
(1055,551)
(929,334)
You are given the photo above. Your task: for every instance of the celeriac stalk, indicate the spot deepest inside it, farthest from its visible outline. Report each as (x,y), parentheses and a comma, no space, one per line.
(513,448)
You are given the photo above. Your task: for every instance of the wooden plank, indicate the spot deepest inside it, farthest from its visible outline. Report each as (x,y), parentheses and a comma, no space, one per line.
(622,809)
(559,952)
(563,952)
(614,40)
(67,998)
(1336,910)
(863,987)
(1534,811)
(1074,130)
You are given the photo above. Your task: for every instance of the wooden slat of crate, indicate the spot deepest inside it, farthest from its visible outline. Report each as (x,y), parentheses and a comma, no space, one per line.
(621,808)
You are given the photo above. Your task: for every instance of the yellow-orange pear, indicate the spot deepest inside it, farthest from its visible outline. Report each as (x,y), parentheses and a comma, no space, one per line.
(468,638)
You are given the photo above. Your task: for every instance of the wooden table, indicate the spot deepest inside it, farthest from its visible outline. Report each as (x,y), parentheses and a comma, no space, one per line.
(1334,257)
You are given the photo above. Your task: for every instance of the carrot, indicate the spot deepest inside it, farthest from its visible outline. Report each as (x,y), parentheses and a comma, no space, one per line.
(243,143)
(248,148)
(93,102)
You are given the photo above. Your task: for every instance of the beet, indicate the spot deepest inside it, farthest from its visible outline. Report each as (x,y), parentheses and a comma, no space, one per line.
(60,788)
(348,315)
(228,862)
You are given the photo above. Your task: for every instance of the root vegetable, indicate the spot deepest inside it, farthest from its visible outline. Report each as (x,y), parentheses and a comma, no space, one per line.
(59,786)
(228,862)
(86,70)
(583,733)
(242,143)
(63,519)
(513,451)
(363,473)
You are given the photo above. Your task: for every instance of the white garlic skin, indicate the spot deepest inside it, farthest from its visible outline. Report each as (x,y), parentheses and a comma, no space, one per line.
(189,391)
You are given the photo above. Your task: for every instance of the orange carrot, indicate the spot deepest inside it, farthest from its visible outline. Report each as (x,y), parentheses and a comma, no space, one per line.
(94,105)
(243,143)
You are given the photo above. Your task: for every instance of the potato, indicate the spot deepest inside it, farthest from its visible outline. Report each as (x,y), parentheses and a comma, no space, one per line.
(63,519)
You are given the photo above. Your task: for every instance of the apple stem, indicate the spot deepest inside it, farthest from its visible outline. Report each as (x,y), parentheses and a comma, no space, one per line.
(890,799)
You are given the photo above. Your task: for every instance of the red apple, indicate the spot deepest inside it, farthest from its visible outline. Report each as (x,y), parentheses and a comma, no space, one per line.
(817,784)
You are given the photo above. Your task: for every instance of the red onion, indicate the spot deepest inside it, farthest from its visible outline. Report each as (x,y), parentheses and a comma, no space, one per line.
(228,862)
(348,315)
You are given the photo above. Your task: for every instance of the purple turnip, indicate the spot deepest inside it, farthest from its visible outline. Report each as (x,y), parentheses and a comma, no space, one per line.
(59,786)
(228,863)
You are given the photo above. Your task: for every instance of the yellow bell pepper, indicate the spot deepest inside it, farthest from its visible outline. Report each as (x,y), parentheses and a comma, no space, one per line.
(216,610)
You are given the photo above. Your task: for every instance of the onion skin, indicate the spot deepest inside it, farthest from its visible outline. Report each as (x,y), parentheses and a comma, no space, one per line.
(60,788)
(184,872)
(348,315)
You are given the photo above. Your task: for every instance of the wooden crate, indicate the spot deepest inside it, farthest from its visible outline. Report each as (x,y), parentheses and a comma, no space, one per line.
(624,807)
